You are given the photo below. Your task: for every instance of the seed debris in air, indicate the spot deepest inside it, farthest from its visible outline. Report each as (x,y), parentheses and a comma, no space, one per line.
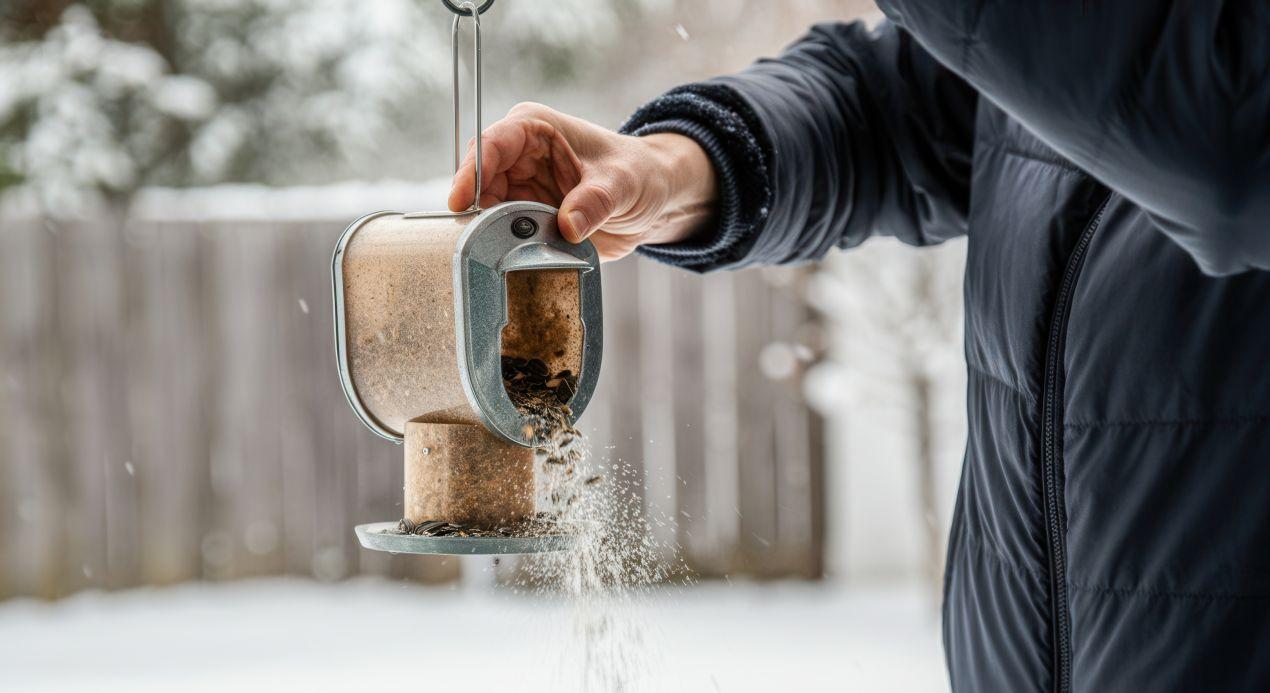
(614,556)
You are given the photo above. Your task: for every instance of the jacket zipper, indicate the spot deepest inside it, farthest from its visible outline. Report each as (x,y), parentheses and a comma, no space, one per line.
(1051,455)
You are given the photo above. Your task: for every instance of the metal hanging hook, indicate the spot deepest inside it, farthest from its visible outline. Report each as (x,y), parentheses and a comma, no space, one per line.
(461,11)
(468,9)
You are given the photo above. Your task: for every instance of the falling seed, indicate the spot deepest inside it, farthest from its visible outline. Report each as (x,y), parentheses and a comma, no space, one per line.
(614,550)
(127,467)
(683,33)
(304,306)
(426,451)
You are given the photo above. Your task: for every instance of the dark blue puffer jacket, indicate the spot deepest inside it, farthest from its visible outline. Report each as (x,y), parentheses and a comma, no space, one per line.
(1110,164)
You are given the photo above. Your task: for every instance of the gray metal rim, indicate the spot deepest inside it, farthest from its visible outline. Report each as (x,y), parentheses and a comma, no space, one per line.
(341,343)
(486,251)
(379,536)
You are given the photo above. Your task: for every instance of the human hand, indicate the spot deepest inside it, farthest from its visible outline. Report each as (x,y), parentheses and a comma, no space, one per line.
(619,191)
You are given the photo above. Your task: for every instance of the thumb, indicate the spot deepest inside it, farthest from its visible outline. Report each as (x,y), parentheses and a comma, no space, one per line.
(590,205)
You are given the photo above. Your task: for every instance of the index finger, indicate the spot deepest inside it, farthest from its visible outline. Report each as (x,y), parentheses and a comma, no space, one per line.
(502,145)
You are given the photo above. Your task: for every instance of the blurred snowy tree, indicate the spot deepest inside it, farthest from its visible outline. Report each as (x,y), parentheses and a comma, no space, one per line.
(897,314)
(81,111)
(106,96)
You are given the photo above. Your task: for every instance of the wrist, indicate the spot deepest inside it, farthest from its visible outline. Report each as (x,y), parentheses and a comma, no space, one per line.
(692,189)
(686,167)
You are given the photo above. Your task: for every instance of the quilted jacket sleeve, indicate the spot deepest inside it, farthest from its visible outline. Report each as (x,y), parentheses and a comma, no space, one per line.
(847,133)
(1167,103)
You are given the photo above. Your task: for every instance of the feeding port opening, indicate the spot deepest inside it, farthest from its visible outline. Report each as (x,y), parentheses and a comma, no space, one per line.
(543,337)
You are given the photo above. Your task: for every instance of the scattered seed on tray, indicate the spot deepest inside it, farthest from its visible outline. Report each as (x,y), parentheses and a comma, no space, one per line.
(542,524)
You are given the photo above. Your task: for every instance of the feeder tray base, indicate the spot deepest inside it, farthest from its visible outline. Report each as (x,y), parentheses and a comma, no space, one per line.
(382,536)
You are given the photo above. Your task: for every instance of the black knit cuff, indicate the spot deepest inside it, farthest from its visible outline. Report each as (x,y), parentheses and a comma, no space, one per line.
(726,232)
(716,119)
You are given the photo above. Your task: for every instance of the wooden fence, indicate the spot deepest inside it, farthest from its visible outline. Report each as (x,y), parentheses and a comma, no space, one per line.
(170,411)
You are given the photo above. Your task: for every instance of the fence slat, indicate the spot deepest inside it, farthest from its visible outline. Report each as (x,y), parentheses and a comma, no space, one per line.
(689,369)
(757,434)
(722,421)
(656,446)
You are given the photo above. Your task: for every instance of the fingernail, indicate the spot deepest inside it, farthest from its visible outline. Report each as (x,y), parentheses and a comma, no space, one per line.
(579,223)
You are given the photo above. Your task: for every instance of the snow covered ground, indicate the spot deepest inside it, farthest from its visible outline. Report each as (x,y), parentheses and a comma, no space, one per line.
(284,634)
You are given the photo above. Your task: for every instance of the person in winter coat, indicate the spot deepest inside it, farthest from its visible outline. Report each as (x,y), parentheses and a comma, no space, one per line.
(1109,163)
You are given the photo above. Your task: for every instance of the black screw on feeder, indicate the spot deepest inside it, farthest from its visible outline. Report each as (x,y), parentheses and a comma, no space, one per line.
(524,227)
